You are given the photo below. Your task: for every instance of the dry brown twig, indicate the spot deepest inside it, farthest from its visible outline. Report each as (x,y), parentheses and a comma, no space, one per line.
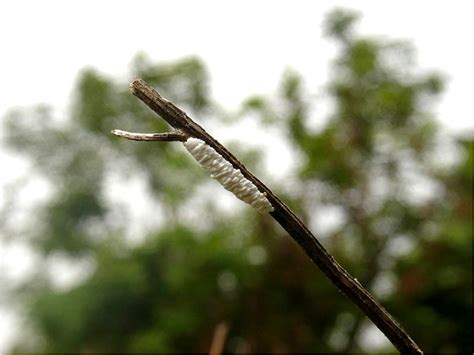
(185,127)
(219,338)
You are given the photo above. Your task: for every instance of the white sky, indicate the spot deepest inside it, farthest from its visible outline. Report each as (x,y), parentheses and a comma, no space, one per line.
(245,44)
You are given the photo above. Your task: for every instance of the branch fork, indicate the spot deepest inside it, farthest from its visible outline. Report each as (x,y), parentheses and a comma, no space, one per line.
(186,128)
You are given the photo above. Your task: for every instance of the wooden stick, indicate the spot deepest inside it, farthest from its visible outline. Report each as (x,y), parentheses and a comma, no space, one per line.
(151,137)
(288,220)
(218,339)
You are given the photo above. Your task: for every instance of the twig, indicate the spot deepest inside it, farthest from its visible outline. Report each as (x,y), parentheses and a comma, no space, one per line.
(218,339)
(151,137)
(288,220)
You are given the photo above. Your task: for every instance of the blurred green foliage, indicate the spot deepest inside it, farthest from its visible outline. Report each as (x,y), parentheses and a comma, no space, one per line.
(168,292)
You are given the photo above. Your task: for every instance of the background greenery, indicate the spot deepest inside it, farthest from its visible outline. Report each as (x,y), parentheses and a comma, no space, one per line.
(378,163)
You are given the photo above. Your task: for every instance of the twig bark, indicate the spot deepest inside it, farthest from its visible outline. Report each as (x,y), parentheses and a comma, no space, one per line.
(218,339)
(288,220)
(151,137)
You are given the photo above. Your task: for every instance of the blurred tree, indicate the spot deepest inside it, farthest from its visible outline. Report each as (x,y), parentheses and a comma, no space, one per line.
(404,226)
(435,279)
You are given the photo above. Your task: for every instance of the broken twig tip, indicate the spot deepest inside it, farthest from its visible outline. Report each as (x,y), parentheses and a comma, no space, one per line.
(117,132)
(132,87)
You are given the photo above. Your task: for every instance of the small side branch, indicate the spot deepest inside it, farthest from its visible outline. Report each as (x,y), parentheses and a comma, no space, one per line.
(151,137)
(359,295)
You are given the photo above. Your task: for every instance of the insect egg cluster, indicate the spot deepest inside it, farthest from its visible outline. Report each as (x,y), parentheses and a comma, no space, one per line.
(229,177)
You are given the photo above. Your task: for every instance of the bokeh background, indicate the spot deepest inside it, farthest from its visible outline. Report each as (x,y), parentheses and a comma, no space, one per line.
(358,118)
